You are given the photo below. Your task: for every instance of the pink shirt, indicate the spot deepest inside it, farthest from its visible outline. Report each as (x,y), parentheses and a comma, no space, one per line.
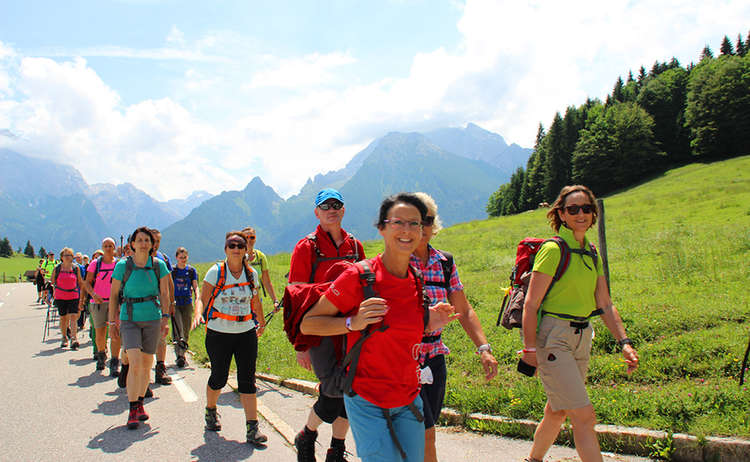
(103,279)
(67,280)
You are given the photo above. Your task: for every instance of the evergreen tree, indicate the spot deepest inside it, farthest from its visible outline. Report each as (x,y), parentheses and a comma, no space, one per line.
(617,91)
(630,77)
(29,250)
(718,107)
(511,203)
(557,161)
(726,47)
(741,46)
(641,75)
(5,248)
(706,53)
(526,200)
(42,252)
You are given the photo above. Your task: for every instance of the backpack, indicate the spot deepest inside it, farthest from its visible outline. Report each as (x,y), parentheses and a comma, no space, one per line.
(511,309)
(56,273)
(129,268)
(209,312)
(313,238)
(447,266)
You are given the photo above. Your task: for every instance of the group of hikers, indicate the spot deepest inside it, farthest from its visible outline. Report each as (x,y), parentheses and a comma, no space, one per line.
(371,328)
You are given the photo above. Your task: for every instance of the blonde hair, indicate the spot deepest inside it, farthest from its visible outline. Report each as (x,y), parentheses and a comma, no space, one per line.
(432,209)
(69,250)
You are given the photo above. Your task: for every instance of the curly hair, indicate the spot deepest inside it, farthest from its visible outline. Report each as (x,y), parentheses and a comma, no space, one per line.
(554,212)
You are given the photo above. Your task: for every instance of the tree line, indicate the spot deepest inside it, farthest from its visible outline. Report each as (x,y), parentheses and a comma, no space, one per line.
(6,250)
(657,120)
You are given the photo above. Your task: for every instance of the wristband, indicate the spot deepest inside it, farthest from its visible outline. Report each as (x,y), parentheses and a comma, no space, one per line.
(165,315)
(348,324)
(529,350)
(625,341)
(482,348)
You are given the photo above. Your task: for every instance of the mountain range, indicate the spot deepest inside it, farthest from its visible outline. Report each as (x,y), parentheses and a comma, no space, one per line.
(459,167)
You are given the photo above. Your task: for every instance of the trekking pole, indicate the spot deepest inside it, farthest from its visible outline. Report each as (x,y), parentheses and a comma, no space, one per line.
(603,242)
(744,364)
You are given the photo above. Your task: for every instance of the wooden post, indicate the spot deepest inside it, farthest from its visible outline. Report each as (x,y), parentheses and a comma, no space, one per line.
(603,242)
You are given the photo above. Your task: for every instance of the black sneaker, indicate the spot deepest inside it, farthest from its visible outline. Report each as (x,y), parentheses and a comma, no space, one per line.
(212,420)
(122,379)
(254,436)
(161,376)
(181,362)
(101,361)
(114,367)
(305,445)
(336,454)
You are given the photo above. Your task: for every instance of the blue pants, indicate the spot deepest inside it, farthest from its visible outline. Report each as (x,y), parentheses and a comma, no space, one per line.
(374,442)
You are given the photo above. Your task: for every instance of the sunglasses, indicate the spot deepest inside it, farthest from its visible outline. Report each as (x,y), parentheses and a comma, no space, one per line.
(333,205)
(428,221)
(236,245)
(573,209)
(252,238)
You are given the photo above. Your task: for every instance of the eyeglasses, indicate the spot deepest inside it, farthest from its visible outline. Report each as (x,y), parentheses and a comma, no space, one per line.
(428,221)
(236,245)
(331,205)
(66,255)
(401,224)
(573,209)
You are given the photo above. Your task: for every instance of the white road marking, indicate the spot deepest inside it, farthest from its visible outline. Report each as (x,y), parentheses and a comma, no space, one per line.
(187,393)
(276,422)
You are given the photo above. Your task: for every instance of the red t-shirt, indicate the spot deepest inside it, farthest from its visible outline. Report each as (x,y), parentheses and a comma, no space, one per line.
(388,370)
(303,255)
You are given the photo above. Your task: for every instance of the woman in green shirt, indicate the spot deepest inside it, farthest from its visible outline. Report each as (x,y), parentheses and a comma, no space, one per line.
(260,263)
(560,344)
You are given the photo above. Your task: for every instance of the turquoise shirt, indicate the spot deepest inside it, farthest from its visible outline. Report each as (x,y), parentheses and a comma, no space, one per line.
(573,294)
(141,283)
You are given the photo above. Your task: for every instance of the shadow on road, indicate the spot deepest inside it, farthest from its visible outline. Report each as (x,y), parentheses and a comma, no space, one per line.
(51,352)
(217,447)
(116,406)
(118,439)
(90,380)
(230,398)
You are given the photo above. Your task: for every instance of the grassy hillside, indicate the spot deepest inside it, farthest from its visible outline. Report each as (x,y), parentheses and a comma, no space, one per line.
(15,265)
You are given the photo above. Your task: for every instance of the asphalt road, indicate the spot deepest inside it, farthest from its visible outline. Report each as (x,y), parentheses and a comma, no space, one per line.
(58,407)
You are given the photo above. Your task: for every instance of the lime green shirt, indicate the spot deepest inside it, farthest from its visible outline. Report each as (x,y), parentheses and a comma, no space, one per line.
(573,294)
(259,260)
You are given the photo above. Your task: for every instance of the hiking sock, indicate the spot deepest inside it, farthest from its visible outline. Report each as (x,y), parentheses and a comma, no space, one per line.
(310,433)
(337,443)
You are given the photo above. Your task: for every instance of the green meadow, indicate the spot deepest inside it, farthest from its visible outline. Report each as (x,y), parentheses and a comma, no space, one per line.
(678,248)
(11,267)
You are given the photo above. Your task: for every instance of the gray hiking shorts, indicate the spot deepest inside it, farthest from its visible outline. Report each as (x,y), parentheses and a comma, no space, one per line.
(99,314)
(142,335)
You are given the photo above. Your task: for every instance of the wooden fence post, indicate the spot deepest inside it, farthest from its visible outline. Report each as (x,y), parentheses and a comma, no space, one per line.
(603,242)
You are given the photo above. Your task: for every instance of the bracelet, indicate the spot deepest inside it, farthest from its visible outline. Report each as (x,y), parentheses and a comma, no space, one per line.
(625,341)
(165,315)
(529,350)
(348,324)
(482,348)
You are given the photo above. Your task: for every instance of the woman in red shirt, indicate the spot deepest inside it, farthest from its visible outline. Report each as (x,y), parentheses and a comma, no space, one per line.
(386,383)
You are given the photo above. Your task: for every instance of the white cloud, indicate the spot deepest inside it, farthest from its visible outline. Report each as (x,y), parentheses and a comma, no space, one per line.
(308,71)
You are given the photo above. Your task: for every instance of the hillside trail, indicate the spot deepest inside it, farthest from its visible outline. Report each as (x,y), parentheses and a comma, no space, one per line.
(57,406)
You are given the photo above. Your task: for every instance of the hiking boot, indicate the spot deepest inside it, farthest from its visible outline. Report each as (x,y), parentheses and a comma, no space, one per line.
(101,361)
(305,445)
(161,376)
(141,413)
(149,393)
(114,367)
(254,436)
(74,345)
(212,420)
(122,379)
(64,342)
(181,362)
(133,419)
(336,454)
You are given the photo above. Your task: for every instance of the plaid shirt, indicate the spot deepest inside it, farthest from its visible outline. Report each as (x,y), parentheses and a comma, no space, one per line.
(433,271)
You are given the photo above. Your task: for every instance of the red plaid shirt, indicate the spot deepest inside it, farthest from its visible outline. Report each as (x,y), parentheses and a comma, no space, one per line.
(433,271)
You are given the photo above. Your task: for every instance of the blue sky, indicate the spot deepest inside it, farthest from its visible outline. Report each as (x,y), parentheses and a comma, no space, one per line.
(207,95)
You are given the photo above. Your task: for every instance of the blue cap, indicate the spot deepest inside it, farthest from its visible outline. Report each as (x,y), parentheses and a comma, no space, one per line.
(328,193)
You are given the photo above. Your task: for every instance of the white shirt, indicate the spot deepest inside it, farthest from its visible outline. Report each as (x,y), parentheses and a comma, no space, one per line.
(234,301)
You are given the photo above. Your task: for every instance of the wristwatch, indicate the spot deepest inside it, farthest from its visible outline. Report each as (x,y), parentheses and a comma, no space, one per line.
(348,324)
(625,341)
(482,348)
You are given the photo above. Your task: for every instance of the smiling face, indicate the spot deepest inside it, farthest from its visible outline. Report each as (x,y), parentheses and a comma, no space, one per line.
(141,243)
(330,217)
(402,231)
(108,247)
(182,258)
(580,221)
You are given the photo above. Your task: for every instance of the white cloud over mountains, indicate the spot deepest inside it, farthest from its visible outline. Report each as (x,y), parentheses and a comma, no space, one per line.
(237,111)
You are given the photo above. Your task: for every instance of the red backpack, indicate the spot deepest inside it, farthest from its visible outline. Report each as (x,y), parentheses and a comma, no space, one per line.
(511,310)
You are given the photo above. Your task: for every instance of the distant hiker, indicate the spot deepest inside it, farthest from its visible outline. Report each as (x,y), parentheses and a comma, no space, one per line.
(49,265)
(311,259)
(39,281)
(100,275)
(560,344)
(234,321)
(160,372)
(67,281)
(185,279)
(138,304)
(260,263)
(383,405)
(83,309)
(442,285)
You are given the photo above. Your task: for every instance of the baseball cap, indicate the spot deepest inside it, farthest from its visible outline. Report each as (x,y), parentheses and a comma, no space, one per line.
(328,193)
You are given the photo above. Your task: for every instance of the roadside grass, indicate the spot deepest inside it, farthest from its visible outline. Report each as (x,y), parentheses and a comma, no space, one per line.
(11,267)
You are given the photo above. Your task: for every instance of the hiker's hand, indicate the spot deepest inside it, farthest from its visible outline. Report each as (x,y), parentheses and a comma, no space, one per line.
(303,359)
(631,357)
(261,329)
(530,358)
(164,326)
(98,299)
(440,315)
(371,311)
(114,330)
(276,306)
(489,363)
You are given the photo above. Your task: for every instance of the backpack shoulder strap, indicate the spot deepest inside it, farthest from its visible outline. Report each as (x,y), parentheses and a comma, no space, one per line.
(55,273)
(98,267)
(419,279)
(315,255)
(366,278)
(562,266)
(220,283)
(447,265)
